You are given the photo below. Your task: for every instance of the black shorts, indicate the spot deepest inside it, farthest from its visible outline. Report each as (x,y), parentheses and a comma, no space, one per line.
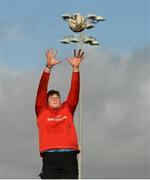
(59,165)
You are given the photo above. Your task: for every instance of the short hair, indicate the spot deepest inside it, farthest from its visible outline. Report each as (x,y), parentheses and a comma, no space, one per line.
(52,92)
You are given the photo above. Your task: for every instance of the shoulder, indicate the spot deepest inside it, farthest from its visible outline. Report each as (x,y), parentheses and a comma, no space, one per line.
(66,106)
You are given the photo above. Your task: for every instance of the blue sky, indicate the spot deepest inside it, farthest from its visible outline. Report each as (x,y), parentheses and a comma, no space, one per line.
(28,27)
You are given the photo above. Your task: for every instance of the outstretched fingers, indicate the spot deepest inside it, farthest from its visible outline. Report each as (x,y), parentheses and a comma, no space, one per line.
(75,53)
(51,51)
(55,53)
(47,51)
(78,54)
(82,58)
(82,55)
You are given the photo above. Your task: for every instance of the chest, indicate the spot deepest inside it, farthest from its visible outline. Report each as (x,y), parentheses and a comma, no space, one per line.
(56,122)
(55,117)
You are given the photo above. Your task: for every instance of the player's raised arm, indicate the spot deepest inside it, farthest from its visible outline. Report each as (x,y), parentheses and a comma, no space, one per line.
(51,60)
(41,97)
(73,95)
(76,60)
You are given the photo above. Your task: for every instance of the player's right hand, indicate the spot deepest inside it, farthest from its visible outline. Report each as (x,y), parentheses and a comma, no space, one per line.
(50,57)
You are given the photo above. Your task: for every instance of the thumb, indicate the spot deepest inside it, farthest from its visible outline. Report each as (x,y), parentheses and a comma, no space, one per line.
(58,62)
(69,61)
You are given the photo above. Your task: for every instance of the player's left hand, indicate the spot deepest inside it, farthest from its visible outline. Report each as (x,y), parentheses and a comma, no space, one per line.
(76,60)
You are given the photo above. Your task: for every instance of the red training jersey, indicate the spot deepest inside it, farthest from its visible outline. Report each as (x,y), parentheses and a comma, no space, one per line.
(56,127)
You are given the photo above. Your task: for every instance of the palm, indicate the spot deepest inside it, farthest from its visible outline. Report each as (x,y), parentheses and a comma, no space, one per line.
(51,61)
(76,60)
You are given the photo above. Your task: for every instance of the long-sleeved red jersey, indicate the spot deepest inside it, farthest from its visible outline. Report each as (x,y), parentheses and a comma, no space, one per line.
(56,127)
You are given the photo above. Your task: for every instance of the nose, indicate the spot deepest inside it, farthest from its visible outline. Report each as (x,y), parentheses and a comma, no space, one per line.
(55,99)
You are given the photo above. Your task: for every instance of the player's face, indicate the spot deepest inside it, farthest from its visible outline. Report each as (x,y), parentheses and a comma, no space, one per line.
(54,101)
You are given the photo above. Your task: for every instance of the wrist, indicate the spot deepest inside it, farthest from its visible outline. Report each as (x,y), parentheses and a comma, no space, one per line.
(49,66)
(75,69)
